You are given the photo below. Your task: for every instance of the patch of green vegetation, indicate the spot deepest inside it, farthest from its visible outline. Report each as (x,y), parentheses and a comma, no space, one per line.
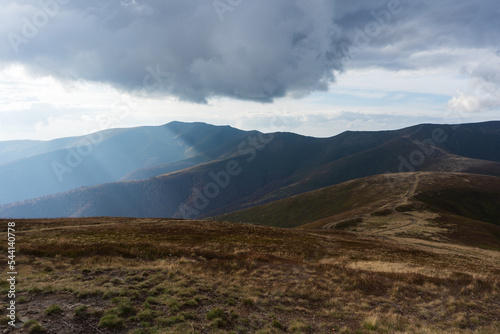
(124,306)
(234,315)
(189,304)
(53,309)
(153,301)
(187,315)
(215,313)
(218,323)
(299,326)
(110,294)
(33,327)
(81,311)
(147,315)
(370,324)
(168,321)
(111,321)
(277,324)
(189,292)
(230,301)
(248,302)
(174,307)
(4,320)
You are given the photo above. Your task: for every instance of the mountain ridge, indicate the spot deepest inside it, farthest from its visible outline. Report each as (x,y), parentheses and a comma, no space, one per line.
(273,166)
(107,156)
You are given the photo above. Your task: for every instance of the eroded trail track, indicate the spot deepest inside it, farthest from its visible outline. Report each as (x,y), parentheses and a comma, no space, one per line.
(409,194)
(403,200)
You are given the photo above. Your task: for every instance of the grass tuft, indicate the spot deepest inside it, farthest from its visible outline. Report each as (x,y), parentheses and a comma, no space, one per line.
(53,310)
(111,321)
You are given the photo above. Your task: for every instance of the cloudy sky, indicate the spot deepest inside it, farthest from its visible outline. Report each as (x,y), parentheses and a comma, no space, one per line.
(316,67)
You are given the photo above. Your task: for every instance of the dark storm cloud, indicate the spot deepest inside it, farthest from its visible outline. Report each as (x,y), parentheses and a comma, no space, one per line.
(429,34)
(245,49)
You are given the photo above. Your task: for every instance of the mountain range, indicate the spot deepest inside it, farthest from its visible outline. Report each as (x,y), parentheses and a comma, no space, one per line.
(196,170)
(30,169)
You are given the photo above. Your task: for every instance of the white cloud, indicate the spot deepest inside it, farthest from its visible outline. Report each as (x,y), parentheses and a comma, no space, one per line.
(483,88)
(383,81)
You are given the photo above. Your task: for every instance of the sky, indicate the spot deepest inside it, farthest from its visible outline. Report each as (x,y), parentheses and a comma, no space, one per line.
(314,67)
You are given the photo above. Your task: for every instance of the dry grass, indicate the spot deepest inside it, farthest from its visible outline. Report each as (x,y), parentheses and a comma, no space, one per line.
(167,276)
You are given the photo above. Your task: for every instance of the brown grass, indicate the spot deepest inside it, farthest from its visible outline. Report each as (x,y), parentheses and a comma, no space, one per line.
(166,276)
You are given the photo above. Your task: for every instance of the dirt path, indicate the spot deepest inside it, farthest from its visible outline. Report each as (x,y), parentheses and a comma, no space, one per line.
(412,222)
(403,200)
(410,193)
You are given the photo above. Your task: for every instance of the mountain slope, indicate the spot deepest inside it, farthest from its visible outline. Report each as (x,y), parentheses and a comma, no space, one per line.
(269,167)
(392,203)
(385,158)
(107,156)
(468,195)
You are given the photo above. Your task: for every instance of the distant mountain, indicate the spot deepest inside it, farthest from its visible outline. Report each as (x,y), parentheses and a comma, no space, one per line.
(234,170)
(32,169)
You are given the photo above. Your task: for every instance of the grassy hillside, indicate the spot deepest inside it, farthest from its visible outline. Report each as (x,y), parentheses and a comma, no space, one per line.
(352,197)
(472,196)
(123,275)
(481,204)
(390,202)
